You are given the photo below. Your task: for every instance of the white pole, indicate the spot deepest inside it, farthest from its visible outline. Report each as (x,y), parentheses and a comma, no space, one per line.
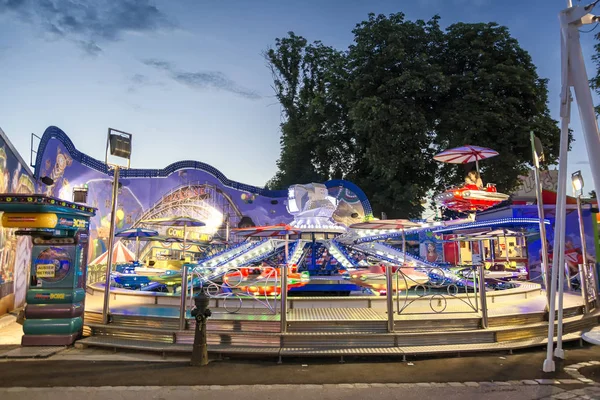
(549,365)
(579,81)
(575,74)
(583,270)
(541,215)
(111,243)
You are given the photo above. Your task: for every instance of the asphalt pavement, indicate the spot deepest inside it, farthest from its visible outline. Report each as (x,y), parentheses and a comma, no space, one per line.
(407,392)
(80,371)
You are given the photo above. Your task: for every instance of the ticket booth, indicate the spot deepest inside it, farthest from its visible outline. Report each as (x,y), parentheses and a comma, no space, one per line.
(55,297)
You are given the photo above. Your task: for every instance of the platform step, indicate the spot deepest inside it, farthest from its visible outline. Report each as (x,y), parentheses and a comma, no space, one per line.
(143,321)
(238,325)
(573,324)
(420,350)
(116,343)
(132,332)
(437,325)
(253,339)
(337,326)
(517,319)
(123,343)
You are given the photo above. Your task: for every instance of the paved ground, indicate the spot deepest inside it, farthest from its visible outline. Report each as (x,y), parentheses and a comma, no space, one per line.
(100,374)
(322,392)
(85,368)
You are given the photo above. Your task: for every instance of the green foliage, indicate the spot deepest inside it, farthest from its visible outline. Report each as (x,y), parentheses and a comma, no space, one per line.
(494,99)
(307,81)
(377,113)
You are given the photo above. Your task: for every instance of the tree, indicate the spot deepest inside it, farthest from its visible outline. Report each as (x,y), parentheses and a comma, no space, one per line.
(495,98)
(394,85)
(378,112)
(314,138)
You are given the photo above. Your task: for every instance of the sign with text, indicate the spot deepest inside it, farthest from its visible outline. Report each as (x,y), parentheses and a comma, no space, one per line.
(549,180)
(45,270)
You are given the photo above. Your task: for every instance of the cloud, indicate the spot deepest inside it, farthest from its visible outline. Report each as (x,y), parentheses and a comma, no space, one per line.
(139,80)
(88,23)
(202,80)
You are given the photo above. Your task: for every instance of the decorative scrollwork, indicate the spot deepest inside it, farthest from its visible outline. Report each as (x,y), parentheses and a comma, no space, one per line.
(235,287)
(591,284)
(439,286)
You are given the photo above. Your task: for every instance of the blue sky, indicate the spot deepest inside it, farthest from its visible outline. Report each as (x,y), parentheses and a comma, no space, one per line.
(187,78)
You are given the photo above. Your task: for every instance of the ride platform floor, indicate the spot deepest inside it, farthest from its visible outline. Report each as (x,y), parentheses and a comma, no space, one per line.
(535,304)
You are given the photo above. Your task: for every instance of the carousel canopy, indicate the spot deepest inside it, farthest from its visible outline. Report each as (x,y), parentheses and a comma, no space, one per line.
(136,233)
(465,154)
(267,231)
(386,224)
(121,255)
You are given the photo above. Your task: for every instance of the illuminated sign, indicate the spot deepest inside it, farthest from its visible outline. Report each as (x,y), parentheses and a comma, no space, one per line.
(49,296)
(191,235)
(29,220)
(45,270)
(73,222)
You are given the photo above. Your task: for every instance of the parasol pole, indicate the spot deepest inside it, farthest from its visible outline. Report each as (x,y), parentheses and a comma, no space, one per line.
(477,165)
(506,248)
(137,248)
(184,235)
(284,272)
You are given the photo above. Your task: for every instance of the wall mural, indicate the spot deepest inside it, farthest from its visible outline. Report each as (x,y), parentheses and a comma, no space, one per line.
(573,243)
(182,189)
(15,252)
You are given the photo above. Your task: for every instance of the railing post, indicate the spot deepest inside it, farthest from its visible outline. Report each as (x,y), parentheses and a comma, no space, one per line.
(389,299)
(594,276)
(583,284)
(184,287)
(283,312)
(482,294)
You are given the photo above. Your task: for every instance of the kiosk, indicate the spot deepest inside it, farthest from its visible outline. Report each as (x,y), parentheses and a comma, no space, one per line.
(56,293)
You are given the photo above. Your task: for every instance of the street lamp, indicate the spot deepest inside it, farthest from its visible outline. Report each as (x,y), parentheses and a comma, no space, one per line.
(118,144)
(577,182)
(538,156)
(80,194)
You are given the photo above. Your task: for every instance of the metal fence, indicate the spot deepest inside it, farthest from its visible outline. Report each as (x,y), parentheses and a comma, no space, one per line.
(437,290)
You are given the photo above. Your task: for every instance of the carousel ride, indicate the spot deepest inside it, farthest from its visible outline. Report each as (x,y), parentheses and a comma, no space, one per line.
(323,257)
(472,196)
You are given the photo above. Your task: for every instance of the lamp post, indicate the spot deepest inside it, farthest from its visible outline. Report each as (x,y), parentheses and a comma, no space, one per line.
(538,155)
(573,74)
(118,144)
(577,181)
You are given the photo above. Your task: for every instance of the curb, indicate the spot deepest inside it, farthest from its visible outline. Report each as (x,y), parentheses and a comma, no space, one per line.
(6,320)
(535,382)
(573,370)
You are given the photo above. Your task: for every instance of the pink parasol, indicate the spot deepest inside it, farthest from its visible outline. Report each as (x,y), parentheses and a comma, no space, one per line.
(269,231)
(386,224)
(121,255)
(465,154)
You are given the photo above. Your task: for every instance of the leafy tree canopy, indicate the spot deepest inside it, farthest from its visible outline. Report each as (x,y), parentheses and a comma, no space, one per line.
(379,111)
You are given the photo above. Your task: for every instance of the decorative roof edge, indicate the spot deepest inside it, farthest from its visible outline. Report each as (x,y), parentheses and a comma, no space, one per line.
(54,132)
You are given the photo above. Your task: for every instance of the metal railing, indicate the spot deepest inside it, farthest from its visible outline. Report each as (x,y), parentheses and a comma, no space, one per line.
(589,277)
(431,289)
(236,287)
